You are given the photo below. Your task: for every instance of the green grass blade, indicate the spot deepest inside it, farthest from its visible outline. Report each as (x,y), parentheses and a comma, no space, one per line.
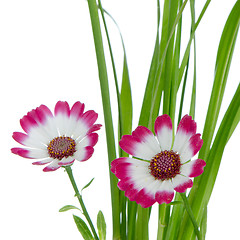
(103,77)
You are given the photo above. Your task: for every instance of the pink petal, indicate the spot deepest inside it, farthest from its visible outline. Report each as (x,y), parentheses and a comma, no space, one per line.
(164,197)
(62,108)
(121,168)
(21,152)
(144,199)
(43,113)
(89,117)
(193,168)
(163,130)
(94,128)
(187,125)
(20,137)
(28,123)
(77,110)
(40,114)
(181,183)
(115,162)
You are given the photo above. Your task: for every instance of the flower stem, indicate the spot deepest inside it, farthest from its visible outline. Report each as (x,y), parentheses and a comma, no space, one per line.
(79,196)
(190,213)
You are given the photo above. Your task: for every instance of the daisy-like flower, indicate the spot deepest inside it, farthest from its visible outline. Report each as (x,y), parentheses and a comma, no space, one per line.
(59,139)
(161,165)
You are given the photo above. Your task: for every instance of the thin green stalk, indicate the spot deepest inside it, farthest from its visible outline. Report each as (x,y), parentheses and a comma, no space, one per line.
(142,222)
(164,212)
(190,213)
(103,77)
(79,197)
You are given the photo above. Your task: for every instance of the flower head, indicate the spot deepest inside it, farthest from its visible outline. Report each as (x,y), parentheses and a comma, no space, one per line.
(161,165)
(59,139)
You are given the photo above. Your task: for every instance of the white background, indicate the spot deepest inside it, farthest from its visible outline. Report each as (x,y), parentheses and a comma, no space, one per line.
(47,54)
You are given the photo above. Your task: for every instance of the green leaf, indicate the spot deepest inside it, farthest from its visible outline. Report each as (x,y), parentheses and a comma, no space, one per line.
(68,207)
(83,228)
(87,185)
(101,225)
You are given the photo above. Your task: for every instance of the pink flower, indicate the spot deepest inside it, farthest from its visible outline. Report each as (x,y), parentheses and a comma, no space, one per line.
(59,139)
(160,164)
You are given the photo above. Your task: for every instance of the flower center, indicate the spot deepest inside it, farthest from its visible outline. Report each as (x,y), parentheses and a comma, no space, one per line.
(165,165)
(61,147)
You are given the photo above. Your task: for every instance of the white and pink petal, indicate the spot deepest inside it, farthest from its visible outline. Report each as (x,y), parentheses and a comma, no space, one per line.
(186,129)
(163,130)
(89,140)
(62,113)
(30,153)
(165,193)
(83,154)
(181,183)
(66,161)
(191,148)
(135,180)
(138,147)
(53,166)
(43,161)
(193,168)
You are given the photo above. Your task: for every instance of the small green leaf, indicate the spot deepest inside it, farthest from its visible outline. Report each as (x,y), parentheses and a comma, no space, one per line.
(101,225)
(87,185)
(68,207)
(83,228)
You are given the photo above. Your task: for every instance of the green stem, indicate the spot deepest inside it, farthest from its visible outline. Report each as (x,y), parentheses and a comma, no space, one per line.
(190,213)
(103,77)
(142,224)
(79,196)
